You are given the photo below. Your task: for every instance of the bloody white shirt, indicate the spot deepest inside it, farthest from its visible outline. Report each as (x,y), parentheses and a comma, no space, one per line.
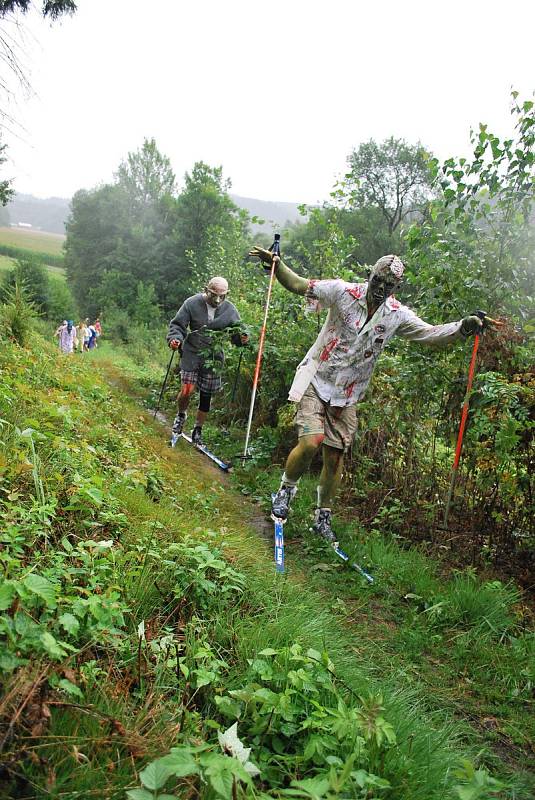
(341,361)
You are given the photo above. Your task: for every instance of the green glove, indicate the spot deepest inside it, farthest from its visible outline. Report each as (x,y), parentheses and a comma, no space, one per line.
(471,325)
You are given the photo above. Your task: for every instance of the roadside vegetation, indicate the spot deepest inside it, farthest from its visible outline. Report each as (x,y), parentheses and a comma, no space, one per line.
(139,622)
(147,647)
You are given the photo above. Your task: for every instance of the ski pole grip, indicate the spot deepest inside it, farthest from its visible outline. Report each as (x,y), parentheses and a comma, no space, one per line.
(276,246)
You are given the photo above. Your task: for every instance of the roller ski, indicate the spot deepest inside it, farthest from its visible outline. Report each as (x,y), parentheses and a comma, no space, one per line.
(322,526)
(280,507)
(196,440)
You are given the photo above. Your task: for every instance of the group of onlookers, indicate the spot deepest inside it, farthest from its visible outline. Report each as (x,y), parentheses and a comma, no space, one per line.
(81,337)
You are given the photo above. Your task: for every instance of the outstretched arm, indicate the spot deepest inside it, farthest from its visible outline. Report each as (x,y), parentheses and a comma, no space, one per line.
(287,277)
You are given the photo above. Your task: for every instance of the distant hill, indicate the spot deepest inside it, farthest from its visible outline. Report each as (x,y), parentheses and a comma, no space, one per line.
(50,214)
(47,214)
(273,213)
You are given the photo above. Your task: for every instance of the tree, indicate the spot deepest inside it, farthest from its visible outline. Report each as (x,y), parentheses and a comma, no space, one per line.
(477,243)
(6,192)
(49,8)
(31,274)
(96,231)
(146,175)
(203,213)
(392,176)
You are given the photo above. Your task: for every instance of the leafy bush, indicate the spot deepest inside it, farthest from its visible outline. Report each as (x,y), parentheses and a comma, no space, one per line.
(17,314)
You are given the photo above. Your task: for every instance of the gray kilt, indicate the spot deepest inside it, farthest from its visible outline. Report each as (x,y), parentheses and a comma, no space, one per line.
(205,380)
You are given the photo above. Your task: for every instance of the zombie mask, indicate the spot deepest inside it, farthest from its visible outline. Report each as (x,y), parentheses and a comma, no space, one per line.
(385,278)
(216,291)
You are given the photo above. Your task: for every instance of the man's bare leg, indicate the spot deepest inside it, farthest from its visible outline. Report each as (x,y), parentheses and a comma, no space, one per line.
(184,397)
(299,459)
(183,403)
(331,475)
(297,463)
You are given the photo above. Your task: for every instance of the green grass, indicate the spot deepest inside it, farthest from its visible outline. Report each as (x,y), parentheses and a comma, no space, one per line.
(38,241)
(7,264)
(104,474)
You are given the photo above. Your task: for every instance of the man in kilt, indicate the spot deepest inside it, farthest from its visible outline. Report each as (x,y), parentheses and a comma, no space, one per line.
(201,363)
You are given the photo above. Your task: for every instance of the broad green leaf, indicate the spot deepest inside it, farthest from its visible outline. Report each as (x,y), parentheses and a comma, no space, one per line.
(315,788)
(69,623)
(96,495)
(42,587)
(180,762)
(52,646)
(7,593)
(140,794)
(468,792)
(155,775)
(70,688)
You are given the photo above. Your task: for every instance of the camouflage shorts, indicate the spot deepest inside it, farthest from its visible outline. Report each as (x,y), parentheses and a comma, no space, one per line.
(204,379)
(337,423)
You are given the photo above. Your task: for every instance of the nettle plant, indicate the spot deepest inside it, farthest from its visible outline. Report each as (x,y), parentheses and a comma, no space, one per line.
(307,735)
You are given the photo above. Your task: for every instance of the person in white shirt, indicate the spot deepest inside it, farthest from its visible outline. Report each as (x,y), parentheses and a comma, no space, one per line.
(337,369)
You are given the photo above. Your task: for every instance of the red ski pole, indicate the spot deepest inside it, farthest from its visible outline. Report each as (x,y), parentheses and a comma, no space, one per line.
(275,250)
(464,415)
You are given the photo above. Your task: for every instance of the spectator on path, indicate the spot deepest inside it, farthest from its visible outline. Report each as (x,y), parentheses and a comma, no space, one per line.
(83,336)
(98,327)
(336,371)
(92,341)
(66,334)
(207,311)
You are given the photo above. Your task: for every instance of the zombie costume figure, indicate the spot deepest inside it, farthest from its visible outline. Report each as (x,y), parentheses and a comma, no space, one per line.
(336,371)
(66,334)
(207,311)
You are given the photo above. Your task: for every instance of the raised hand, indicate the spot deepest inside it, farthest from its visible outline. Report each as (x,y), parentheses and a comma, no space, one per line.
(264,255)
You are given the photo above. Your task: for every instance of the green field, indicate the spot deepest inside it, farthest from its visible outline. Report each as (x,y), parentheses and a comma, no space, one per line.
(7,263)
(37,241)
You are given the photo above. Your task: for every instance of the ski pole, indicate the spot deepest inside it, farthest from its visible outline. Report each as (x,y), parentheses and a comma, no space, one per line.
(236,378)
(163,385)
(275,250)
(464,415)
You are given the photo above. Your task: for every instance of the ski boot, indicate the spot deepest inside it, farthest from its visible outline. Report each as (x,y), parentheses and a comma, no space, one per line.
(178,424)
(177,428)
(280,502)
(196,436)
(322,525)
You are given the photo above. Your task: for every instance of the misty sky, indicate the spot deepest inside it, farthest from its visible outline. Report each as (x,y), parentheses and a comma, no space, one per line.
(279,93)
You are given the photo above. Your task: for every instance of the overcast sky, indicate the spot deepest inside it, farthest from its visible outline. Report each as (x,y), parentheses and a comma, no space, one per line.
(278,92)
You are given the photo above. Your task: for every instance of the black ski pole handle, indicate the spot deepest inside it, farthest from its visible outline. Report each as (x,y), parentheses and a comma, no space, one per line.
(275,249)
(276,246)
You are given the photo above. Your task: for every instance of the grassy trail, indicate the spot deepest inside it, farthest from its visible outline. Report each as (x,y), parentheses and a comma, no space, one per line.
(140,611)
(458,673)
